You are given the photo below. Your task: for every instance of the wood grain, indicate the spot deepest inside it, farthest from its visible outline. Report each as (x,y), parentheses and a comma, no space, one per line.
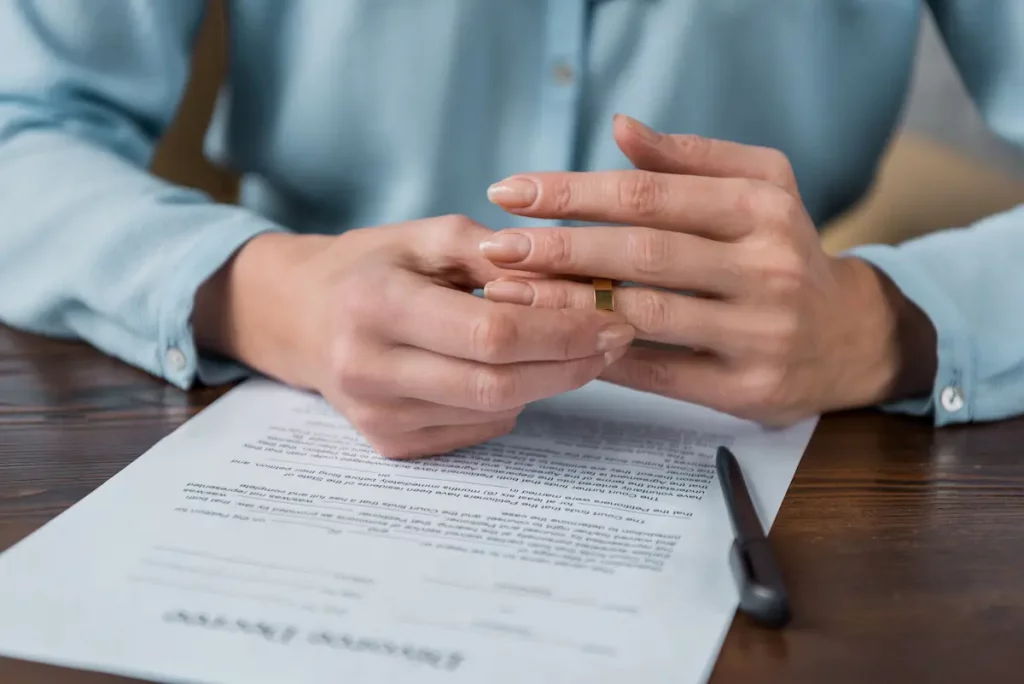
(902,545)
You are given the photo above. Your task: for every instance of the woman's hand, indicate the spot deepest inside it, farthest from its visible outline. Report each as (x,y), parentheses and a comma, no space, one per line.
(383,323)
(765,325)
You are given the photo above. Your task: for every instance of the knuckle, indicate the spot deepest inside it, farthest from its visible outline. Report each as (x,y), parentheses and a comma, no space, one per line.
(493,390)
(772,271)
(789,211)
(361,295)
(562,337)
(553,295)
(369,420)
(692,147)
(780,169)
(649,252)
(643,193)
(766,206)
(734,268)
(492,337)
(778,335)
(458,225)
(762,392)
(783,273)
(754,199)
(653,375)
(350,376)
(554,247)
(453,231)
(572,333)
(779,210)
(561,197)
(650,311)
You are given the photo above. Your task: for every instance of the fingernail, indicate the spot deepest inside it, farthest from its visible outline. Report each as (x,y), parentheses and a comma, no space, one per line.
(506,247)
(614,336)
(614,355)
(516,193)
(645,132)
(509,291)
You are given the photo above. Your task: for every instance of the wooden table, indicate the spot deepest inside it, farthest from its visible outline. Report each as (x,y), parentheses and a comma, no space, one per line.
(903,546)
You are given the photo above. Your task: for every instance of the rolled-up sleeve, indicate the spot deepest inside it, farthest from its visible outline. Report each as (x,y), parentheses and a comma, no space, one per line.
(92,246)
(970,284)
(970,281)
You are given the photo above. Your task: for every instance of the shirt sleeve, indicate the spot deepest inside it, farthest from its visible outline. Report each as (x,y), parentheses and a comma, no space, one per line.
(970,281)
(92,246)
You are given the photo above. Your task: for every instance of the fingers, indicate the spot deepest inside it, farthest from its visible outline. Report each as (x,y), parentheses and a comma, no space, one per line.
(684,183)
(640,255)
(435,441)
(706,207)
(419,374)
(444,249)
(460,325)
(398,415)
(758,392)
(695,155)
(657,316)
(690,377)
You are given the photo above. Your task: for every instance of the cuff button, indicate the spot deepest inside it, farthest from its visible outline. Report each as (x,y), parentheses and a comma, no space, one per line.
(175,360)
(952,399)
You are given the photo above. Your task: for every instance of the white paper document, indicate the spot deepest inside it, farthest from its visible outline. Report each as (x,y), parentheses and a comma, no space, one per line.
(264,541)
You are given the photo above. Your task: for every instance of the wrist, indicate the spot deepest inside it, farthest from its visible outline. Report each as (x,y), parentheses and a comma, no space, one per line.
(891,343)
(250,310)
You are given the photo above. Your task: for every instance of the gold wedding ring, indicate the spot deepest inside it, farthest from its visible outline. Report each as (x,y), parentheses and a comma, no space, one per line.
(604,294)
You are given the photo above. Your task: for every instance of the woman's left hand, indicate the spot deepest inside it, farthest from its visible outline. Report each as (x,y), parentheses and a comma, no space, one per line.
(771,328)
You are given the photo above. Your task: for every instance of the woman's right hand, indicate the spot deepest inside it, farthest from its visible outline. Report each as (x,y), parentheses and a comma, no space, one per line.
(384,324)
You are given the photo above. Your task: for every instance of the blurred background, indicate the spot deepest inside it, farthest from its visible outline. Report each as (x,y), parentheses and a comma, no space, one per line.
(944,169)
(940,108)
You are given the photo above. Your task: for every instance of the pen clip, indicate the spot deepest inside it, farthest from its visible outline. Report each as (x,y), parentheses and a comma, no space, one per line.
(762,595)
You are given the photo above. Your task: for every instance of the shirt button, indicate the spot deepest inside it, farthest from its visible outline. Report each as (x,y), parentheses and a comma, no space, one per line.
(563,73)
(952,399)
(175,360)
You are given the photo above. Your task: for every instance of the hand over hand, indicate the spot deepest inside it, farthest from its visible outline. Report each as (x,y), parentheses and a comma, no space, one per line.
(383,323)
(728,269)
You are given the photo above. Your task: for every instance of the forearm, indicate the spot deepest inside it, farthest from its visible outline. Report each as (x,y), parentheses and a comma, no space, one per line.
(253,310)
(969,284)
(886,344)
(92,246)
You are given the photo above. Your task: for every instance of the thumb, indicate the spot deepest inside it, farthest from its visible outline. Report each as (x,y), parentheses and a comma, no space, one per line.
(448,249)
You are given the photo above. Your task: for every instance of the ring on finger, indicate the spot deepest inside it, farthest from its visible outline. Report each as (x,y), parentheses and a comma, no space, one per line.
(604,294)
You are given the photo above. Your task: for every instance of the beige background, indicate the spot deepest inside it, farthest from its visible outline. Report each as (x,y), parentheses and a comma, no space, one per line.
(943,170)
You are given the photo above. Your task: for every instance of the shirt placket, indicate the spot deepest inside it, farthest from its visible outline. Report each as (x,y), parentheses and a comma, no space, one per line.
(560,92)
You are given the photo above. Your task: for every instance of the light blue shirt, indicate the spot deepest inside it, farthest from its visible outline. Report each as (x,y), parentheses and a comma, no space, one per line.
(345,113)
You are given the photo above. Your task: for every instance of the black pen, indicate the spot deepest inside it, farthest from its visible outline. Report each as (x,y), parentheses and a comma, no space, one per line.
(762,594)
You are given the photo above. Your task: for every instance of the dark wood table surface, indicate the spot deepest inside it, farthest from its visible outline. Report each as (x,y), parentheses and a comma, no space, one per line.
(903,546)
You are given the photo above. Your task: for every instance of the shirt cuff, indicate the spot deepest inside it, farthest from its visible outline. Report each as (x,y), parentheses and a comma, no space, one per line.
(179,360)
(952,396)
